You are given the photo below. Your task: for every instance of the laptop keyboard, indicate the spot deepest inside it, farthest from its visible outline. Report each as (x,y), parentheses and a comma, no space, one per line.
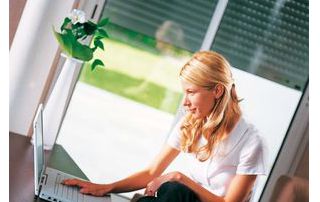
(67,192)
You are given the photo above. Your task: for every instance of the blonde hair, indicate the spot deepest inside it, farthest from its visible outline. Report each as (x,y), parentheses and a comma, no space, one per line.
(207,69)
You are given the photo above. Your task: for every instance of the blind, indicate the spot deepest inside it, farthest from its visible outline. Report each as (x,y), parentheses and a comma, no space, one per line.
(268,38)
(181,23)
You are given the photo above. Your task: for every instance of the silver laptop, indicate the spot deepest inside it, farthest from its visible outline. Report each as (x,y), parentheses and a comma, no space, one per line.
(48,180)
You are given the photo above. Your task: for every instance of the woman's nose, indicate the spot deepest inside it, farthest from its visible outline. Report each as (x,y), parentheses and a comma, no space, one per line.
(186,101)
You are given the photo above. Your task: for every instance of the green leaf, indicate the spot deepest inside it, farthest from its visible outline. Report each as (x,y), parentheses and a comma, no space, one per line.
(102,33)
(98,37)
(99,44)
(103,22)
(65,23)
(95,63)
(89,27)
(72,47)
(82,52)
(78,50)
(64,41)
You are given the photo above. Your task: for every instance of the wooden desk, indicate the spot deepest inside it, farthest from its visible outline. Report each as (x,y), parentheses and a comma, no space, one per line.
(21,181)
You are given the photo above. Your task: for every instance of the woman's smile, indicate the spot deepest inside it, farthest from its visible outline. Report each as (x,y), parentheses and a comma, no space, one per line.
(192,110)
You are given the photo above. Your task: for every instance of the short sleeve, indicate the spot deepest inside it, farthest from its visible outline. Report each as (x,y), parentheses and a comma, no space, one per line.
(252,157)
(174,137)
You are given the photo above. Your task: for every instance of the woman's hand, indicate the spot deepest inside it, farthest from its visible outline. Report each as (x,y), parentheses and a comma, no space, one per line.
(154,185)
(88,187)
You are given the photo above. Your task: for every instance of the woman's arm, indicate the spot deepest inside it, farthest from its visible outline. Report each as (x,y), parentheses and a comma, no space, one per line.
(240,187)
(238,190)
(136,181)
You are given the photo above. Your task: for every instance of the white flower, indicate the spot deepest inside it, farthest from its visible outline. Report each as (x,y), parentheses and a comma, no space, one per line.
(77,16)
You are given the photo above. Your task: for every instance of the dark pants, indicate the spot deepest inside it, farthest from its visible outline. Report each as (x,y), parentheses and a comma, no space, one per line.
(172,192)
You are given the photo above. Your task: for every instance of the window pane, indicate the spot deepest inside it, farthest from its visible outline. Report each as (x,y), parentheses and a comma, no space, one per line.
(146,16)
(267,44)
(267,38)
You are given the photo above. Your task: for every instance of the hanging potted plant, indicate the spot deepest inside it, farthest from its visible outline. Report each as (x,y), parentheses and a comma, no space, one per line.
(74,30)
(71,38)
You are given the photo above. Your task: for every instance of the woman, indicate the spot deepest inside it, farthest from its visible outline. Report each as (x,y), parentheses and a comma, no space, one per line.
(227,152)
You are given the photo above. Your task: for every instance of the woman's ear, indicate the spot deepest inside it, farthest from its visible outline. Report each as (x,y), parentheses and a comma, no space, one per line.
(218,90)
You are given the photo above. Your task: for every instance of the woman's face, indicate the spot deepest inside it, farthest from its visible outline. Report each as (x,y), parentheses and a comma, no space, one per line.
(198,100)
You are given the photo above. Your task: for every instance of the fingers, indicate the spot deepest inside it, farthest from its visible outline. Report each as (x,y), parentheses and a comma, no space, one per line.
(75,182)
(93,191)
(70,182)
(150,190)
(88,187)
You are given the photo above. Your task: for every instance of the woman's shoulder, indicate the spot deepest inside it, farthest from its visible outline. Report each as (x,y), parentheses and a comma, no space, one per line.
(251,129)
(251,151)
(251,134)
(242,135)
(253,139)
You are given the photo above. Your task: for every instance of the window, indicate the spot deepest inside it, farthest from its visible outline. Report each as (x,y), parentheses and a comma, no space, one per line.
(122,113)
(267,44)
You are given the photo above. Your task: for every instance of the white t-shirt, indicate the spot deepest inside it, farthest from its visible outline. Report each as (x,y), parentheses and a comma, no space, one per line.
(241,153)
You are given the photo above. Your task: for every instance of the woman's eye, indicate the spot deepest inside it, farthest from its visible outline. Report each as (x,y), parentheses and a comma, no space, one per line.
(190,92)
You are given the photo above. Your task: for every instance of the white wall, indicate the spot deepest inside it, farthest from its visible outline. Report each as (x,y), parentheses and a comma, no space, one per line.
(31,55)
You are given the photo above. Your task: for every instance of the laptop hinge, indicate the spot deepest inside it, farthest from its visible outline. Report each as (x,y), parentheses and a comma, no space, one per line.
(43,181)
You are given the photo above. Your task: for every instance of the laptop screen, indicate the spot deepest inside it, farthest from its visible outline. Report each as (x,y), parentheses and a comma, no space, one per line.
(38,147)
